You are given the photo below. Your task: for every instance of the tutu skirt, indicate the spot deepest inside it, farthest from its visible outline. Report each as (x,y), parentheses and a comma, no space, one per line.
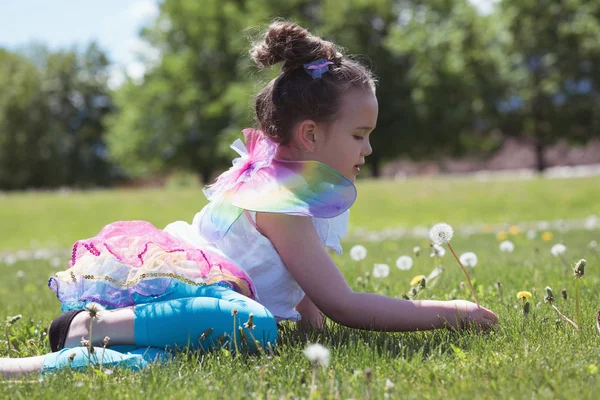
(132,262)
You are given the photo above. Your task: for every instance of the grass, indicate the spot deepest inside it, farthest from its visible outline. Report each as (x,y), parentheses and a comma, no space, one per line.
(524,358)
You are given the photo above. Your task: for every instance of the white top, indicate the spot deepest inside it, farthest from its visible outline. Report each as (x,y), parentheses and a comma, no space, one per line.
(276,289)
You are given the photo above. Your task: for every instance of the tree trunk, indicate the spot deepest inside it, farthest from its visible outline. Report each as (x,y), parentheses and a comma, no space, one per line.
(540,162)
(205,174)
(375,164)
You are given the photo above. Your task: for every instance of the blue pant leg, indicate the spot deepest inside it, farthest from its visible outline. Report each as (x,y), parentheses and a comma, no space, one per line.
(182,322)
(133,357)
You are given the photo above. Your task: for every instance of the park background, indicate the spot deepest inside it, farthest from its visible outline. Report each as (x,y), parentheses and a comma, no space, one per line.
(122,110)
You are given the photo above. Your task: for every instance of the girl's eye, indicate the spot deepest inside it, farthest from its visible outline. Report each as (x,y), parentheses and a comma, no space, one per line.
(357,137)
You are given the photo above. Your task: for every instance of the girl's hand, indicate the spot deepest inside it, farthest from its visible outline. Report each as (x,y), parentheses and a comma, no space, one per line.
(465,315)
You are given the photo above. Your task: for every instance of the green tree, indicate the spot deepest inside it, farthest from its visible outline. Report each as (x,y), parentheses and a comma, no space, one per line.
(23,113)
(556,74)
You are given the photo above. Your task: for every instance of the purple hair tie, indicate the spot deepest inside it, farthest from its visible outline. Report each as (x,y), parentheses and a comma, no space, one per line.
(317,68)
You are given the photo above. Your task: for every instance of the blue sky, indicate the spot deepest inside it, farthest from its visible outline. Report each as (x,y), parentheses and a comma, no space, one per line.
(114,24)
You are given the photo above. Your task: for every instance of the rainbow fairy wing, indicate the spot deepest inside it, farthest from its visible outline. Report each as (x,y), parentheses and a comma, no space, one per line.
(306,188)
(217,218)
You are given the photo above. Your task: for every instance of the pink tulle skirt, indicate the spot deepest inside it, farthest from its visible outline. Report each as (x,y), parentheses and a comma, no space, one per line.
(132,262)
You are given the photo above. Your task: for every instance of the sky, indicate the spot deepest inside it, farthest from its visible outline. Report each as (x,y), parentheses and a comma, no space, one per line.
(114,24)
(62,24)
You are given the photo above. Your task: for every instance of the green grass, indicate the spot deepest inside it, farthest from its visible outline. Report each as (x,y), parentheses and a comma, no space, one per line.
(58,220)
(531,358)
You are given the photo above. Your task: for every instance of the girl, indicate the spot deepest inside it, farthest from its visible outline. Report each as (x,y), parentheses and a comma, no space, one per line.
(255,254)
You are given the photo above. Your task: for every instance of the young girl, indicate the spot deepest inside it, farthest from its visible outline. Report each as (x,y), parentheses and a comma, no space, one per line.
(255,254)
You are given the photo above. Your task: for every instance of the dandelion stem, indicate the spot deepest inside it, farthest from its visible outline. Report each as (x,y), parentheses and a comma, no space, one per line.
(466,274)
(598,321)
(565,318)
(577,316)
(234,334)
(313,383)
(7,338)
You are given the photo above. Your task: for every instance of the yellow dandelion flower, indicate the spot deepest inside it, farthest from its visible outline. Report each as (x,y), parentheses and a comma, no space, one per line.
(524,295)
(547,236)
(501,236)
(514,230)
(417,279)
(487,228)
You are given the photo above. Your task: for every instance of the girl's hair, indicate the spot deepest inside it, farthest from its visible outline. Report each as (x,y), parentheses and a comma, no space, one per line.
(294,95)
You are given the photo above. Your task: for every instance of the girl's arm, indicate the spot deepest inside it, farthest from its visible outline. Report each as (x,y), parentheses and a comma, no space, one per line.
(312,317)
(296,241)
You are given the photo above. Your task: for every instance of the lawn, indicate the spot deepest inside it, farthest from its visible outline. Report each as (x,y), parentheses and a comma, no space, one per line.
(538,356)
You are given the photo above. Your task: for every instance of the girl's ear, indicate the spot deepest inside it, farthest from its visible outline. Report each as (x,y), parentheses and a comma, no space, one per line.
(306,134)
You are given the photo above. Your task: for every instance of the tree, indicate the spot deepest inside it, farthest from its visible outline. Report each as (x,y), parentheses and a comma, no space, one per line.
(556,71)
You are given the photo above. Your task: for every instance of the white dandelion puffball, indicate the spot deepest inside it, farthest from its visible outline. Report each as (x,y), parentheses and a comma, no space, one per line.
(558,249)
(591,222)
(468,259)
(437,251)
(358,252)
(531,234)
(441,233)
(507,246)
(404,263)
(593,244)
(381,270)
(317,354)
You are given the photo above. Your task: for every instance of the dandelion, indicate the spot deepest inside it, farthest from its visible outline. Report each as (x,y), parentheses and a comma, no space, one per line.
(417,250)
(578,272)
(417,280)
(514,230)
(549,298)
(94,310)
(469,259)
(10,259)
(358,252)
(591,222)
(579,269)
(501,236)
(85,342)
(250,323)
(10,321)
(558,249)
(437,251)
(593,244)
(531,234)
(524,295)
(547,236)
(441,233)
(507,246)
(404,263)
(317,354)
(20,274)
(381,270)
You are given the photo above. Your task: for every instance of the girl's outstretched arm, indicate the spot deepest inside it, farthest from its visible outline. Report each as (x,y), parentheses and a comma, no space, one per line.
(296,241)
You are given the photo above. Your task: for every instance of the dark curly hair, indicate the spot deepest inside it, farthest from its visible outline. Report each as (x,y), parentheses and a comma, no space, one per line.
(294,95)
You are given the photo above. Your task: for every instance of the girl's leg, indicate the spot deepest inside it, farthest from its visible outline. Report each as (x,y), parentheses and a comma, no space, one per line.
(204,322)
(178,322)
(132,357)
(10,367)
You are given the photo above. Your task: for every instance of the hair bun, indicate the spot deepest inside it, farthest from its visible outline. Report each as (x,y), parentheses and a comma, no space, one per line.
(293,44)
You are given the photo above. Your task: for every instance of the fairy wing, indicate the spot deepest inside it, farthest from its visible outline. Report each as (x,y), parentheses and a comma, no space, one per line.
(308,188)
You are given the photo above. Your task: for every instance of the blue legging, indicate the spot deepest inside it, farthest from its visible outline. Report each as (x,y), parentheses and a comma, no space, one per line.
(204,322)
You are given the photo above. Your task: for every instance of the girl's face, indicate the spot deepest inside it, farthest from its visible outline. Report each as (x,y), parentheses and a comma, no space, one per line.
(345,143)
